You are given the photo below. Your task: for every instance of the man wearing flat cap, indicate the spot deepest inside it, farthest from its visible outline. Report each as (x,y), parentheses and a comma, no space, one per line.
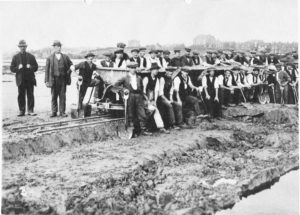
(196,59)
(186,59)
(210,85)
(135,56)
(166,58)
(135,104)
(24,65)
(143,61)
(86,70)
(107,62)
(57,77)
(209,58)
(119,60)
(176,60)
(153,59)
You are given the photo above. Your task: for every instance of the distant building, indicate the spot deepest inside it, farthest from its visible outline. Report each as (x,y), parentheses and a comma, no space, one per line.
(206,40)
(134,43)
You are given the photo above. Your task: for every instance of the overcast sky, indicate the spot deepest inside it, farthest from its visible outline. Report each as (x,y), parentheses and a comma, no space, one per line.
(105,22)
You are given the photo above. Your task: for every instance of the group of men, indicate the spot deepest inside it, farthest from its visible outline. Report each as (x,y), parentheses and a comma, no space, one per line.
(164,93)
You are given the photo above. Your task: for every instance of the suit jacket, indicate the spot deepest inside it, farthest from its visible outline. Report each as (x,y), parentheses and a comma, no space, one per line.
(103,64)
(176,62)
(273,61)
(14,67)
(196,60)
(49,70)
(138,60)
(125,82)
(209,60)
(186,61)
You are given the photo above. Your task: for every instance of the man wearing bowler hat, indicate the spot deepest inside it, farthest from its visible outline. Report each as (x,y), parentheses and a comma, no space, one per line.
(57,77)
(24,65)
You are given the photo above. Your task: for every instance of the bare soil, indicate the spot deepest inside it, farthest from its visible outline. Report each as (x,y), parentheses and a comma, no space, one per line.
(192,171)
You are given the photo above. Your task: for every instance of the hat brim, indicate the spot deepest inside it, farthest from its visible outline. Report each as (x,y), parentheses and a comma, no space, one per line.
(24,45)
(87,56)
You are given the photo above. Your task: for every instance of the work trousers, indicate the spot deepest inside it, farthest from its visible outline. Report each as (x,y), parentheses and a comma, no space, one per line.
(166,111)
(26,89)
(224,96)
(192,103)
(58,90)
(135,111)
(178,113)
(83,89)
(272,94)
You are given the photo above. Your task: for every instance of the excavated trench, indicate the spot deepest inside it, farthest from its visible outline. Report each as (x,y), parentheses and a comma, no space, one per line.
(194,171)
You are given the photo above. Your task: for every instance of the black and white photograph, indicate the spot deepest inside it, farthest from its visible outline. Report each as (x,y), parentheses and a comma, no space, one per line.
(149,107)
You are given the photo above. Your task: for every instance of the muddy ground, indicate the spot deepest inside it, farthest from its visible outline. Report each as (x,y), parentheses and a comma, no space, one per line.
(192,171)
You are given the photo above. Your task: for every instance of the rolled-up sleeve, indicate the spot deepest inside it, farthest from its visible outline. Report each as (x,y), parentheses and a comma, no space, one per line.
(176,83)
(204,82)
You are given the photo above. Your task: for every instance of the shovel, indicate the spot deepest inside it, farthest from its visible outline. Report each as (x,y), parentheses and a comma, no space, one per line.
(75,111)
(87,109)
(128,134)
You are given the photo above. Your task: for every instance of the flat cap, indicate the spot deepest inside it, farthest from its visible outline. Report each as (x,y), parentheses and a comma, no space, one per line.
(152,51)
(118,51)
(56,43)
(90,54)
(176,50)
(188,49)
(22,43)
(195,53)
(107,54)
(142,49)
(166,52)
(135,50)
(235,68)
(154,66)
(121,45)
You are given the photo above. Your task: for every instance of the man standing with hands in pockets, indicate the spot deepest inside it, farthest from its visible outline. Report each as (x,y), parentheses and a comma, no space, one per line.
(24,65)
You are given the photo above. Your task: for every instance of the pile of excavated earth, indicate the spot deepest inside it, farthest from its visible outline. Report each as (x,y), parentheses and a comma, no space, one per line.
(191,171)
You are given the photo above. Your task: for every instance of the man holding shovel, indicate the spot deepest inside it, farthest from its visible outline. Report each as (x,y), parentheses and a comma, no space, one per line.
(86,70)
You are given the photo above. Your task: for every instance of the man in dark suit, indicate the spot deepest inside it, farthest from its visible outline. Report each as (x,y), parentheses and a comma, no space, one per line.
(209,58)
(176,60)
(57,77)
(272,59)
(99,89)
(135,57)
(196,58)
(86,70)
(24,65)
(107,62)
(143,60)
(166,58)
(186,59)
(135,104)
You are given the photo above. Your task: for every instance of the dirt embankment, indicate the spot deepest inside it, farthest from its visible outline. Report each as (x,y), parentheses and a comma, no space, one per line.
(194,171)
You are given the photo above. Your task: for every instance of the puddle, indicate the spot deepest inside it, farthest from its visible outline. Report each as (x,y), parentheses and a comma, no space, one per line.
(282,198)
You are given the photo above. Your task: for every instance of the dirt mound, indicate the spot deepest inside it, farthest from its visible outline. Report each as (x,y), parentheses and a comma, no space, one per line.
(271,113)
